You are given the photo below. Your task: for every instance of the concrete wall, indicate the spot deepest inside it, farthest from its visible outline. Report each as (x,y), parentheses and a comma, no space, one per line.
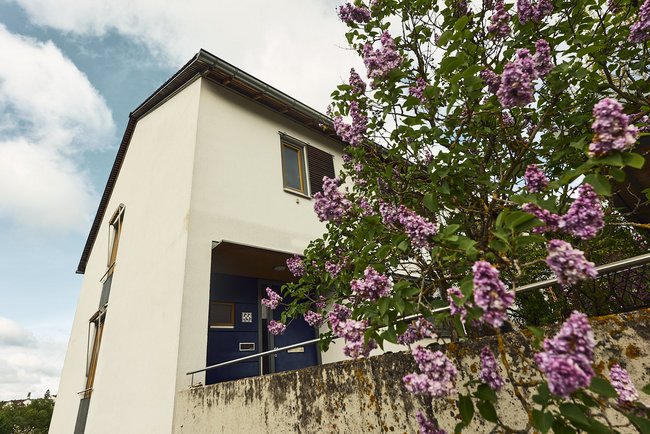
(135,383)
(367,396)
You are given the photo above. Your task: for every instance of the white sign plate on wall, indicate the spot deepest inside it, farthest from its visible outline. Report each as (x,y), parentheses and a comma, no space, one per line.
(247,317)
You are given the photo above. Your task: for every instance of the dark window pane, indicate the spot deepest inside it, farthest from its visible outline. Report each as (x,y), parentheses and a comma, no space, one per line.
(222,314)
(292,168)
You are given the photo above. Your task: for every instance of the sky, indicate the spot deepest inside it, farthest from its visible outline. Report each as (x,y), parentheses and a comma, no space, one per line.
(70,74)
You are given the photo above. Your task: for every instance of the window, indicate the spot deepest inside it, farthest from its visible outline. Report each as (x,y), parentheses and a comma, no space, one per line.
(304,166)
(222,315)
(114,232)
(95,331)
(293,167)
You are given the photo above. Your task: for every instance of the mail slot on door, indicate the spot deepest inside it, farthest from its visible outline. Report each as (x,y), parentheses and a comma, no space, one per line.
(296,350)
(247,346)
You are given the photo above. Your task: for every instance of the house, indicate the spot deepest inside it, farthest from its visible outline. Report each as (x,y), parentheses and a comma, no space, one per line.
(209,194)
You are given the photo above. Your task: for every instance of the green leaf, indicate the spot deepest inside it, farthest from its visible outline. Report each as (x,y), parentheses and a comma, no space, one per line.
(559,427)
(390,335)
(646,389)
(599,183)
(543,421)
(429,202)
(574,413)
(597,427)
(633,160)
(543,394)
(641,423)
(485,393)
(602,387)
(486,409)
(516,219)
(466,409)
(384,305)
(444,37)
(536,331)
(461,23)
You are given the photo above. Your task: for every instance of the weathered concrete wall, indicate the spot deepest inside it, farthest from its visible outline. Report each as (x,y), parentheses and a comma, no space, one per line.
(367,396)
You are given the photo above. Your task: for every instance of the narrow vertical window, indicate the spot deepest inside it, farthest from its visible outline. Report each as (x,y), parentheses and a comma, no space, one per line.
(114,232)
(96,329)
(293,167)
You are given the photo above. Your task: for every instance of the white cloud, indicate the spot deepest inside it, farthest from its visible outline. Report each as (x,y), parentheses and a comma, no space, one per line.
(50,113)
(294,45)
(31,360)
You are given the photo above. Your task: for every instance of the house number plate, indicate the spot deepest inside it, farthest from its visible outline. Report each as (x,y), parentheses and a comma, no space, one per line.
(247,317)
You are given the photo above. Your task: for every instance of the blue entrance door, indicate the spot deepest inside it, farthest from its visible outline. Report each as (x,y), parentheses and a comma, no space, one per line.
(297,331)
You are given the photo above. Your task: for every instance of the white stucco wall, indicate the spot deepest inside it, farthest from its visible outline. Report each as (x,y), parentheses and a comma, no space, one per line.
(135,381)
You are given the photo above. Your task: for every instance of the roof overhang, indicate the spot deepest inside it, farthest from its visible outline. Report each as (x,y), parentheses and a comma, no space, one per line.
(208,66)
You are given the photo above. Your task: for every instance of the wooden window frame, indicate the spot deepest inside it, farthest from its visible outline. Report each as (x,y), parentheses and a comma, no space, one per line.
(114,232)
(92,351)
(302,166)
(229,325)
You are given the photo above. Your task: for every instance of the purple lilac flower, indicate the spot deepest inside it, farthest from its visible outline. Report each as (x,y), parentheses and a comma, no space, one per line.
(321,303)
(337,317)
(366,208)
(418,228)
(381,61)
(352,133)
(528,11)
(417,330)
(585,216)
(543,10)
(500,21)
(525,11)
(346,158)
(427,426)
(516,89)
(437,377)
(640,30)
(569,264)
(417,90)
(353,333)
(350,13)
(492,79)
(550,220)
(314,319)
(273,300)
(536,181)
(490,370)
(331,204)
(333,268)
(621,382)
(491,294)
(358,85)
(455,308)
(389,213)
(567,358)
(276,328)
(372,286)
(611,125)
(543,59)
(460,8)
(507,118)
(296,266)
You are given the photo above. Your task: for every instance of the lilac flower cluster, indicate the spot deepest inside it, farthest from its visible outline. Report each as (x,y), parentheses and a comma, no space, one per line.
(350,13)
(528,11)
(543,59)
(583,219)
(276,328)
(569,264)
(455,308)
(333,268)
(321,303)
(491,294)
(516,89)
(492,79)
(490,370)
(314,319)
(274,299)
(536,181)
(500,21)
(460,8)
(585,216)
(372,286)
(366,208)
(417,90)
(611,125)
(427,426)
(353,333)
(418,228)
(437,377)
(623,385)
(507,118)
(567,358)
(296,266)
(352,133)
(337,317)
(417,330)
(381,61)
(357,84)
(331,204)
(640,30)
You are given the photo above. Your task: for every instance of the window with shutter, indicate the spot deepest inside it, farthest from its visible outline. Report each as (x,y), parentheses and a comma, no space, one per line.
(304,166)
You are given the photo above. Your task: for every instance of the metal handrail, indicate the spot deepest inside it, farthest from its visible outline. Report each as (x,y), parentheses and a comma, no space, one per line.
(602,269)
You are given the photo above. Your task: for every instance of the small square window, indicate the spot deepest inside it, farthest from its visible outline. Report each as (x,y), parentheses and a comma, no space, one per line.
(222,315)
(293,167)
